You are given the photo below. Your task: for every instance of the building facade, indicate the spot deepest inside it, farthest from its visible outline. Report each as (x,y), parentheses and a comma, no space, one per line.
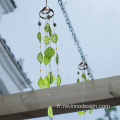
(12,77)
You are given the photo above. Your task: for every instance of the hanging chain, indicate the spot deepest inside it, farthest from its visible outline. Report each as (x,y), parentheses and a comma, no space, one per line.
(46,3)
(75,37)
(46,46)
(40,52)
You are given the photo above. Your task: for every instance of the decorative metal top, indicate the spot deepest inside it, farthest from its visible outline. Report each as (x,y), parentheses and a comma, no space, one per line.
(46,11)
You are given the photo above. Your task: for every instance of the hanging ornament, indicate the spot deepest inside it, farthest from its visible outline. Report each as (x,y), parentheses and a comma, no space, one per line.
(49,53)
(82,66)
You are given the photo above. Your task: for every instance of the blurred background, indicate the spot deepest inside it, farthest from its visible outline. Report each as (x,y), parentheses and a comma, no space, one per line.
(97,26)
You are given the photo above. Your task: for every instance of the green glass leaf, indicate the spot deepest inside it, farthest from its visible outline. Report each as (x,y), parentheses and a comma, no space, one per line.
(87,80)
(46,81)
(46,60)
(81,112)
(90,111)
(40,57)
(50,112)
(49,52)
(57,59)
(39,36)
(46,40)
(58,81)
(51,77)
(41,83)
(54,38)
(83,76)
(50,32)
(47,27)
(78,80)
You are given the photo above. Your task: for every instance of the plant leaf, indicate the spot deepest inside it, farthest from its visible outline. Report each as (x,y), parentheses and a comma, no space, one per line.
(78,80)
(58,80)
(83,76)
(46,40)
(90,111)
(39,36)
(49,52)
(57,59)
(47,27)
(40,57)
(46,81)
(50,32)
(54,38)
(81,112)
(46,60)
(41,83)
(50,112)
(51,77)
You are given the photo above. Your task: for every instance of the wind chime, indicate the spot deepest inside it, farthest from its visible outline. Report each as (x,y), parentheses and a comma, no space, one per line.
(50,38)
(82,66)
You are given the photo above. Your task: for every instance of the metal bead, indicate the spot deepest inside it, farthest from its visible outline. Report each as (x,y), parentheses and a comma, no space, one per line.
(39,23)
(54,24)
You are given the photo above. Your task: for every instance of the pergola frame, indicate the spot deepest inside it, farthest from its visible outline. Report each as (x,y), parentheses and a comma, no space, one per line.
(35,103)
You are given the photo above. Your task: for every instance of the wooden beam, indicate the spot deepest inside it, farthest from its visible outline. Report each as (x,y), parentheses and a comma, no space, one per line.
(35,103)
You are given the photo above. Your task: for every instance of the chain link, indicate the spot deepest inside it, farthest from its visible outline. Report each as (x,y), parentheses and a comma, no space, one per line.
(75,37)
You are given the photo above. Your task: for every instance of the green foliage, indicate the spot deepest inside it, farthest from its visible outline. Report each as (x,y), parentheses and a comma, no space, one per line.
(47,27)
(46,60)
(112,109)
(57,59)
(83,76)
(58,81)
(46,81)
(41,83)
(49,52)
(46,40)
(50,112)
(39,36)
(51,77)
(100,119)
(40,57)
(78,80)
(54,38)
(81,112)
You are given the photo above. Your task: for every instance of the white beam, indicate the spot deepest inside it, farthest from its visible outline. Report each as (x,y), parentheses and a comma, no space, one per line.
(35,103)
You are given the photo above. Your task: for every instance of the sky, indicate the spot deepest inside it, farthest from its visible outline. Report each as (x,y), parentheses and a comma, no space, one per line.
(97,26)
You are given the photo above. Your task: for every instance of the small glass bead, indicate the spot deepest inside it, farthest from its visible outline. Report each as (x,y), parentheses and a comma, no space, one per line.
(39,23)
(54,24)
(78,73)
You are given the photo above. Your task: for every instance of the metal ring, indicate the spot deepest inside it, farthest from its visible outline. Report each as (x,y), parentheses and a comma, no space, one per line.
(48,10)
(82,66)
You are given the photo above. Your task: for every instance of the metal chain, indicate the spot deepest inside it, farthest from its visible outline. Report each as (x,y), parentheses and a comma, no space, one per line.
(75,37)
(46,3)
